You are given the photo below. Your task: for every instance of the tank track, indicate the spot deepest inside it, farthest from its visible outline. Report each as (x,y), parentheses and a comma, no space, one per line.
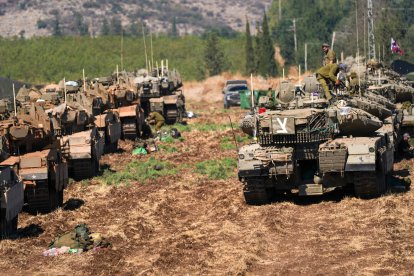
(255,192)
(369,184)
(84,168)
(129,129)
(43,199)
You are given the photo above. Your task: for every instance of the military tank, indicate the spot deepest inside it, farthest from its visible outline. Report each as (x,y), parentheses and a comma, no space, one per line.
(160,92)
(45,176)
(304,145)
(109,127)
(36,158)
(11,201)
(83,150)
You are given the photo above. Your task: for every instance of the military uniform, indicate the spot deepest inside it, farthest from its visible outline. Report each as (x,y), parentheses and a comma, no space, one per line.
(325,75)
(157,119)
(330,57)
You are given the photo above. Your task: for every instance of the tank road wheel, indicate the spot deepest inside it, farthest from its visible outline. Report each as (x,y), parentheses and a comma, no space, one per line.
(255,193)
(8,228)
(369,184)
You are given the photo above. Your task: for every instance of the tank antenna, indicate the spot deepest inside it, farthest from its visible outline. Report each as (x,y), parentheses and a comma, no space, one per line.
(64,87)
(117,74)
(234,134)
(84,80)
(152,51)
(253,109)
(14,101)
(122,50)
(145,47)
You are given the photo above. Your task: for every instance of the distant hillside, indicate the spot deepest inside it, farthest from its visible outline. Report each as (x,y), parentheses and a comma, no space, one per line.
(30,18)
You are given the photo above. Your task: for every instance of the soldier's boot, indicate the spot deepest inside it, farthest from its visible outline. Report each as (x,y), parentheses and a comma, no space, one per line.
(325,87)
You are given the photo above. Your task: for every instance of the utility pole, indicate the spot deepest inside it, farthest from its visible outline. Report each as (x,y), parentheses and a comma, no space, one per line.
(306,57)
(294,34)
(280,10)
(371,37)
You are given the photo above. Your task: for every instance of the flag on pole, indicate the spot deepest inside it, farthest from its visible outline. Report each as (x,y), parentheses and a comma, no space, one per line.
(395,48)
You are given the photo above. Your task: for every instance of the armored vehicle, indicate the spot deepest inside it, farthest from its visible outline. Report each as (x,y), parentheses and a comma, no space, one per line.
(36,158)
(109,127)
(11,201)
(303,149)
(304,145)
(161,92)
(45,176)
(83,151)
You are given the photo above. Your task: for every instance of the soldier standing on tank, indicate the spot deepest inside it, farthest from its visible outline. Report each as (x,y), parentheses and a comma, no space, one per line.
(155,118)
(327,73)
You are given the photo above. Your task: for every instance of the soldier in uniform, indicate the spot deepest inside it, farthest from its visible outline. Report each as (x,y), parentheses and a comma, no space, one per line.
(330,56)
(327,73)
(353,83)
(156,119)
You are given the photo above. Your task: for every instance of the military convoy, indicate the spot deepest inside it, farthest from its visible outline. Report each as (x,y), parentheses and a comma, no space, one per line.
(62,130)
(305,145)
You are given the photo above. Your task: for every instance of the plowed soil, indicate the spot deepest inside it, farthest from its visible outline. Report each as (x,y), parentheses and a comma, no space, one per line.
(187,223)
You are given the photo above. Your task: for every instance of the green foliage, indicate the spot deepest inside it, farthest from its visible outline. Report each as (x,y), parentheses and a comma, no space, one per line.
(80,26)
(174,31)
(137,171)
(227,142)
(116,26)
(48,59)
(56,27)
(214,57)
(181,127)
(168,148)
(41,24)
(105,29)
(250,63)
(217,169)
(211,127)
(266,53)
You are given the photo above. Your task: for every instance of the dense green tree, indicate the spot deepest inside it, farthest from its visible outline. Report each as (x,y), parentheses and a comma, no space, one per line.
(250,61)
(116,26)
(174,31)
(283,34)
(214,57)
(105,29)
(56,27)
(267,66)
(80,25)
(257,46)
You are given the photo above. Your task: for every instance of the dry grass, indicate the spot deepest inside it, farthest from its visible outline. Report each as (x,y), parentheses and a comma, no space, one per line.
(188,223)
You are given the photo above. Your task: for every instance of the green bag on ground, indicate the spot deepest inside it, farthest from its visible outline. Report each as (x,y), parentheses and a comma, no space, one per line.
(139,151)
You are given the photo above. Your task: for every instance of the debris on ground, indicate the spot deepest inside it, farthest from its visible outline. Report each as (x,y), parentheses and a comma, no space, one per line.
(76,241)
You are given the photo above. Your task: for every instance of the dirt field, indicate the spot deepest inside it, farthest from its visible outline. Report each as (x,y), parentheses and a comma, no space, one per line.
(187,223)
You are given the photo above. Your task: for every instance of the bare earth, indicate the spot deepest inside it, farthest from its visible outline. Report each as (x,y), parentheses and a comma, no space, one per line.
(187,223)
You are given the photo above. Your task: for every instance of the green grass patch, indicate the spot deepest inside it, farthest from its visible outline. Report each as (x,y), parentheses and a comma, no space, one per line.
(168,148)
(211,127)
(227,142)
(181,127)
(138,171)
(217,169)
